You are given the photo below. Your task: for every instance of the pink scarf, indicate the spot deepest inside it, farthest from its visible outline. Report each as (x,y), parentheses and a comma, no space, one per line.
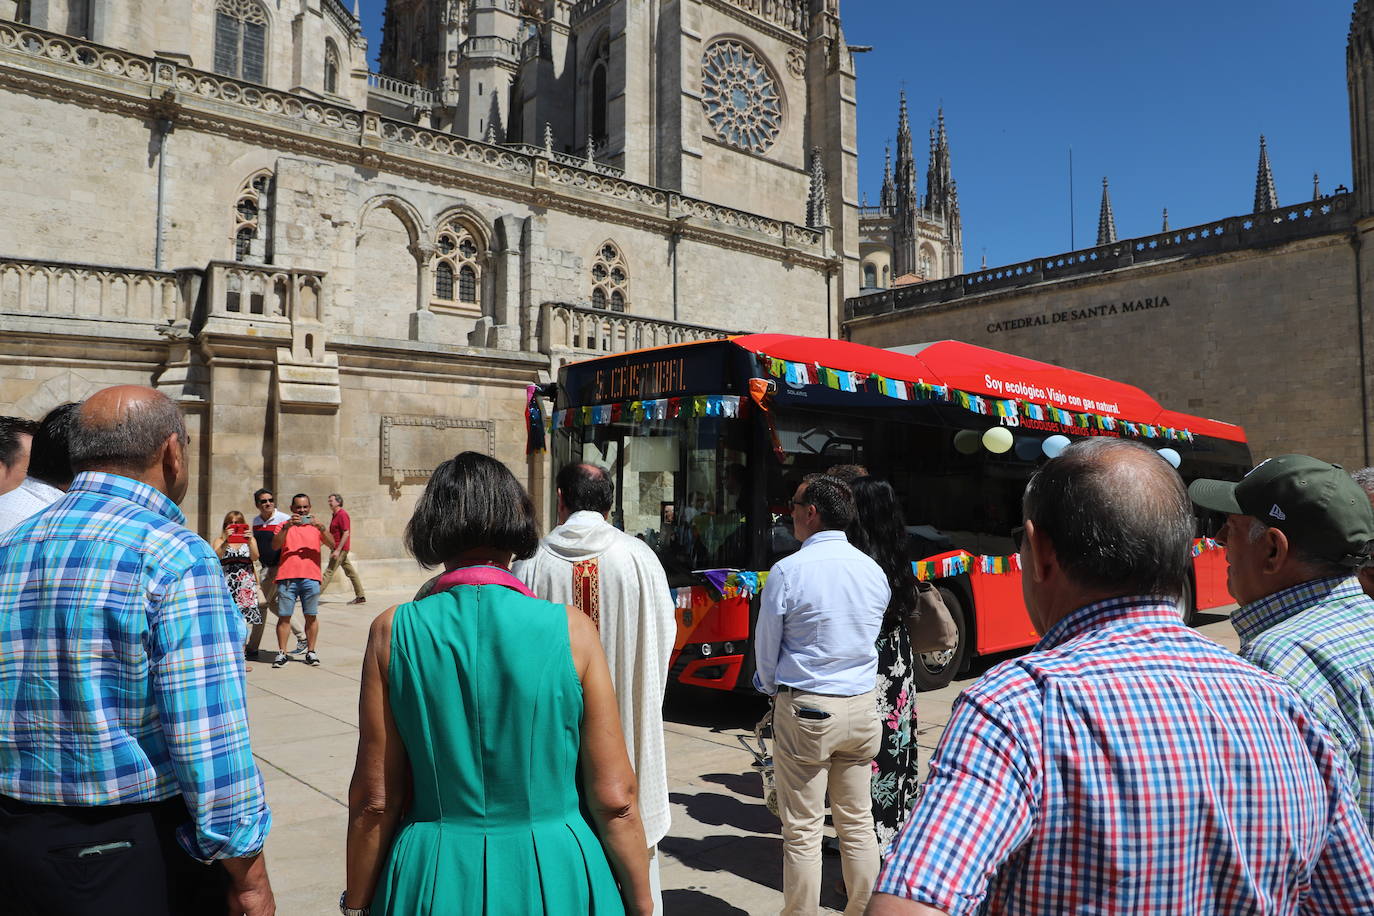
(480,575)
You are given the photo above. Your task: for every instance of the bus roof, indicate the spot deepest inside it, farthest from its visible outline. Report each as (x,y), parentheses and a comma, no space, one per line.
(977,370)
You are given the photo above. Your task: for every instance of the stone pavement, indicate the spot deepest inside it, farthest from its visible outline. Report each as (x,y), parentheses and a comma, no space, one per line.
(722,856)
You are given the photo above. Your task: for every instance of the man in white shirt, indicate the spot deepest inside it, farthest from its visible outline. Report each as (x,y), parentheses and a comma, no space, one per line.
(617,581)
(814,648)
(49,471)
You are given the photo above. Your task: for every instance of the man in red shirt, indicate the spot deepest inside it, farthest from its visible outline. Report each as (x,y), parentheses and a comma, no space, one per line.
(298,576)
(341,527)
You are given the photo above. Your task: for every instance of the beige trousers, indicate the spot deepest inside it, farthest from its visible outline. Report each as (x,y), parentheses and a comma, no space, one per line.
(340,558)
(809,756)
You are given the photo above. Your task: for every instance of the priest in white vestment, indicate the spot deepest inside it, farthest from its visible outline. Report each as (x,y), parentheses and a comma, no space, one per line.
(617,581)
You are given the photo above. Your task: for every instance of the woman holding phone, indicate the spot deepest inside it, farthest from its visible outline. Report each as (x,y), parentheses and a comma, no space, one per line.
(238,553)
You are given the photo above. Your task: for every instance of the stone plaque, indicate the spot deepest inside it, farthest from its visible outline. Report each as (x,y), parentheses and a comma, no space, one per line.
(412,447)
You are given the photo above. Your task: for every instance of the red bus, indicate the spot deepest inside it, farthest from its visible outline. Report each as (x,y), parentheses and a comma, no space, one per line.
(708,440)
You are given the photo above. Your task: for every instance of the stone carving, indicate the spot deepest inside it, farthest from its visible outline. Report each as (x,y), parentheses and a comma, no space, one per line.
(412,447)
(796,63)
(740,96)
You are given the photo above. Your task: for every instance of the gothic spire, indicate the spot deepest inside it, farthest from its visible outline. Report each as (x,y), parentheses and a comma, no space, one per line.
(904,200)
(1316,186)
(1166,220)
(1359,69)
(886,198)
(1106,220)
(939,181)
(1266,198)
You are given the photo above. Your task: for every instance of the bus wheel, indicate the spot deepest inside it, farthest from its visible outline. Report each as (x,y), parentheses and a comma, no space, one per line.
(934,670)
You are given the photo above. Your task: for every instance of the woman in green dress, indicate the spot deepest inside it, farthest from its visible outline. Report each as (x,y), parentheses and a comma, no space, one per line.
(479,704)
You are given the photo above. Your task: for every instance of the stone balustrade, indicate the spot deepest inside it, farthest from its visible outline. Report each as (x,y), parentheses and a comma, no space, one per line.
(401,91)
(1286,224)
(573,332)
(57,289)
(577,162)
(163,86)
(489,46)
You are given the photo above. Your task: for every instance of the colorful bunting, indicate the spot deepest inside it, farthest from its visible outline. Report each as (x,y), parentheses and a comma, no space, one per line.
(712,405)
(735,583)
(797,373)
(1201,545)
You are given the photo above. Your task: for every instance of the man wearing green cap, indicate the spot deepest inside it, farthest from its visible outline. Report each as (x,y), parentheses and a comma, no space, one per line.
(1297,532)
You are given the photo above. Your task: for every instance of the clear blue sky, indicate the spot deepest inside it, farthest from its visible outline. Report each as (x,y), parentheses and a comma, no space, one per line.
(1167,100)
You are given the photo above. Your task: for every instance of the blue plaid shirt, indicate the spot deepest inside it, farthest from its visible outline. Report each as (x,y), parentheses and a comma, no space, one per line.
(121,666)
(1129,765)
(1319,637)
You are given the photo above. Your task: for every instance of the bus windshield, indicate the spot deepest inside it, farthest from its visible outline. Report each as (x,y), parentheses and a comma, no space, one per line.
(681,485)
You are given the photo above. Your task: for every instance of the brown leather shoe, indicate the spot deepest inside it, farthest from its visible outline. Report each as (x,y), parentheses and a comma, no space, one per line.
(358,600)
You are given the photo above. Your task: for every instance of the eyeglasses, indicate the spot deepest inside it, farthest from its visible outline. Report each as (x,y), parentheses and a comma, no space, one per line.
(1018,534)
(265,499)
(794,504)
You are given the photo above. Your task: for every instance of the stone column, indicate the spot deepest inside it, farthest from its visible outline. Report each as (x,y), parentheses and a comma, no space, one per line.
(423,323)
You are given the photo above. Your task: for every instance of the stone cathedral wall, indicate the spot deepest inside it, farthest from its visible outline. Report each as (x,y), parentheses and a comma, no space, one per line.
(1268,338)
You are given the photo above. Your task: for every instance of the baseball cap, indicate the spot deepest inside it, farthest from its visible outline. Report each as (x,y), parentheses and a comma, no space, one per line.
(1317,505)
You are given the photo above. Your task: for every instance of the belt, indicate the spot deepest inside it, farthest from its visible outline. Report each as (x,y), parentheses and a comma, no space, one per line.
(788,688)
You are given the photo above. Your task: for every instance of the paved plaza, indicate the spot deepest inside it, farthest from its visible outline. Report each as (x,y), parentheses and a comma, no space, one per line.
(722,855)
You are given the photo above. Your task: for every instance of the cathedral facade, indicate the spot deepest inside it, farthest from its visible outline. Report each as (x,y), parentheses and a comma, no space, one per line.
(1261,318)
(346,276)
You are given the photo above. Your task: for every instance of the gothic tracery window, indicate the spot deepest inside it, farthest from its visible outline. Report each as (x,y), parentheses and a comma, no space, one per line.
(457,271)
(598,100)
(927,265)
(241,40)
(331,67)
(253,220)
(610,279)
(741,96)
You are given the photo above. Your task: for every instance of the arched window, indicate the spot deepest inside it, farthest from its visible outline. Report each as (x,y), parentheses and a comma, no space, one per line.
(610,279)
(598,98)
(458,257)
(443,280)
(331,67)
(253,220)
(870,275)
(927,265)
(241,40)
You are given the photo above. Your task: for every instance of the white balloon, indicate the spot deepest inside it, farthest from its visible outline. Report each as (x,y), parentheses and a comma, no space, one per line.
(997,440)
(1171,456)
(1054,445)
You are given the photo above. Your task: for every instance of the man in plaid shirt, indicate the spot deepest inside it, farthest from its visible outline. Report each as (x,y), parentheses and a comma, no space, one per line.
(127,783)
(1297,532)
(1128,765)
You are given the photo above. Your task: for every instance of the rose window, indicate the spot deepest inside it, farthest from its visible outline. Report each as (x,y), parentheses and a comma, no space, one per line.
(740,97)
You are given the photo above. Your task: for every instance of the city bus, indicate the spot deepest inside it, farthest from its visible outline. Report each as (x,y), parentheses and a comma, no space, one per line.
(708,440)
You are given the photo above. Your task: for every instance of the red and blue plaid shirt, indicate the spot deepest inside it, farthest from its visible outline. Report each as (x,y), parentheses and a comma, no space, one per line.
(121,666)
(1131,766)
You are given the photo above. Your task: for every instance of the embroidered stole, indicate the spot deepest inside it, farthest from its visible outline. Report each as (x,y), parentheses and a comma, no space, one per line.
(587,589)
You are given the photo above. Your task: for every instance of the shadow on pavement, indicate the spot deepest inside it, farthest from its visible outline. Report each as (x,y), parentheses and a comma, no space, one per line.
(726,811)
(750,783)
(692,902)
(718,710)
(754,858)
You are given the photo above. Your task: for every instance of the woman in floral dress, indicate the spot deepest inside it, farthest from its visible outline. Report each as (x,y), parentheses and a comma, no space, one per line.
(879,532)
(238,553)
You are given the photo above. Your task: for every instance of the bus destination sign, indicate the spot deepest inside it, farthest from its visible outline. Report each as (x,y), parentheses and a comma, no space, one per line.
(641,381)
(706,367)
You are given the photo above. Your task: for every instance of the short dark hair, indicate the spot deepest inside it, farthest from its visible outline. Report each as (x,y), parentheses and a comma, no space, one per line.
(847,473)
(11,428)
(304,496)
(258,494)
(133,442)
(833,499)
(336,496)
(471,501)
(586,488)
(50,456)
(1118,516)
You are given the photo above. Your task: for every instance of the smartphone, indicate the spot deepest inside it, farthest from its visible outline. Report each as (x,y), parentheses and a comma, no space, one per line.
(238,533)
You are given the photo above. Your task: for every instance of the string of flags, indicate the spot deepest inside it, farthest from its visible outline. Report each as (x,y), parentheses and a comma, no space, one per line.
(799,373)
(710,405)
(735,583)
(1201,545)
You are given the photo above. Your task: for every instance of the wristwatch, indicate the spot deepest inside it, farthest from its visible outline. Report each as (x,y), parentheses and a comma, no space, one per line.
(347,911)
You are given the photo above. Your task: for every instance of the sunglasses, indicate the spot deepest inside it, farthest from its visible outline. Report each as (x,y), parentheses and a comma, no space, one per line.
(266,499)
(795,504)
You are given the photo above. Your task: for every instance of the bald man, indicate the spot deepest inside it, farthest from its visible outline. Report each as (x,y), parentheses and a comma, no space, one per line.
(126,761)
